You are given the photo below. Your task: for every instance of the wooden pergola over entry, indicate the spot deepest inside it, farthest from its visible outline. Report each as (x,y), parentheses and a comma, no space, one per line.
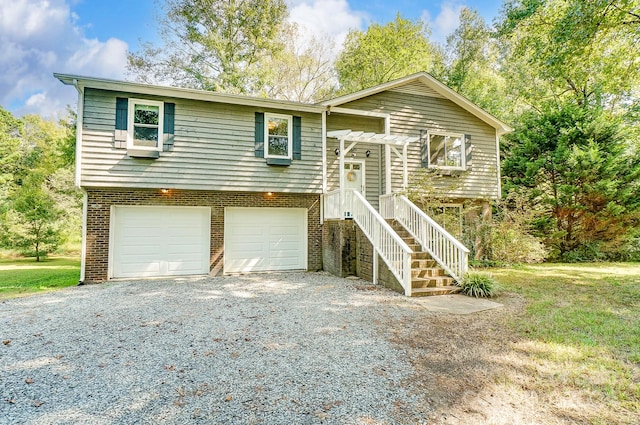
(397,144)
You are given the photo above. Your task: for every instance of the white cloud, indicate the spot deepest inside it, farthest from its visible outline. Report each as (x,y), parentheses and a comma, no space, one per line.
(326,18)
(445,22)
(39,38)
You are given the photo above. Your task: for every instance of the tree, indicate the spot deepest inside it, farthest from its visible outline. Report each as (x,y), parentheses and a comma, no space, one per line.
(303,71)
(472,63)
(383,53)
(582,50)
(576,166)
(36,167)
(31,221)
(217,45)
(10,153)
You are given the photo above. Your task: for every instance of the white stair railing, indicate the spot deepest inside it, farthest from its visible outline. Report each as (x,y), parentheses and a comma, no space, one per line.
(448,252)
(392,249)
(332,203)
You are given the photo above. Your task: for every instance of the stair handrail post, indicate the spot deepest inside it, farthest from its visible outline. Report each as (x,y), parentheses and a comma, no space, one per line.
(407,274)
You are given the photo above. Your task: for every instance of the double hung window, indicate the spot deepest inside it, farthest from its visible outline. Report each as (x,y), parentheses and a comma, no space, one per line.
(278,129)
(145,124)
(446,150)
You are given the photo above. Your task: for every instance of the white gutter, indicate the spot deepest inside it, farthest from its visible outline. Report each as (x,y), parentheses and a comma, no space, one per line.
(184,93)
(79,119)
(78,182)
(324,151)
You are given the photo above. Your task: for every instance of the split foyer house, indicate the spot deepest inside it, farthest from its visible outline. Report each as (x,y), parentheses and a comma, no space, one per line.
(187,182)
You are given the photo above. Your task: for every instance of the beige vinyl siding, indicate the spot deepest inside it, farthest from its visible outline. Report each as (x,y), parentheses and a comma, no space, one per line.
(411,112)
(418,88)
(213,150)
(372,163)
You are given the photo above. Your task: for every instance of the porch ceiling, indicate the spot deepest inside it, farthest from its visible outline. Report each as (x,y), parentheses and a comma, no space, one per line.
(381,139)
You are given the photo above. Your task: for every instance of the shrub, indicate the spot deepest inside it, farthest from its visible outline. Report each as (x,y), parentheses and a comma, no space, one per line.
(508,237)
(478,285)
(511,243)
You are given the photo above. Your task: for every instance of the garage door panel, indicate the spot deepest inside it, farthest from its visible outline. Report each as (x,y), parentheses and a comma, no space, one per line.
(284,246)
(160,241)
(265,239)
(176,266)
(151,268)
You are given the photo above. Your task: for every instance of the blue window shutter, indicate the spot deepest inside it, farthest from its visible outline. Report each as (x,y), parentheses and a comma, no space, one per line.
(169,114)
(297,138)
(122,104)
(259,143)
(424,149)
(468,150)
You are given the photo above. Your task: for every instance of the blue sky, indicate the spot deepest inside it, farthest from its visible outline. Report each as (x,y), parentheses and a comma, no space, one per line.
(91,37)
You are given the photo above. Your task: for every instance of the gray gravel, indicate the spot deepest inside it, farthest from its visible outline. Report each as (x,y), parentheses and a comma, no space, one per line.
(290,348)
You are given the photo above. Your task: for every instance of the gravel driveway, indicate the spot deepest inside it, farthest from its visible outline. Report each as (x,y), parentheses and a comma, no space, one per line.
(294,348)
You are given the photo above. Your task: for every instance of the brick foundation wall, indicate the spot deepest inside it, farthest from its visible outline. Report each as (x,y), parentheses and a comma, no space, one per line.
(99,204)
(363,255)
(348,252)
(339,247)
(364,263)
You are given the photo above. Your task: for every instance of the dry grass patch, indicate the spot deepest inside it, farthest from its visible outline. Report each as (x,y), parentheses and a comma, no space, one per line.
(565,349)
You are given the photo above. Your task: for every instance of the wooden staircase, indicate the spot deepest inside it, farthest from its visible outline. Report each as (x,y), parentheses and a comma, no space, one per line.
(427,278)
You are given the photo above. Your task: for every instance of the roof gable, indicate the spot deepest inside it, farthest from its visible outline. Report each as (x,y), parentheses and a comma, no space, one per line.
(424,84)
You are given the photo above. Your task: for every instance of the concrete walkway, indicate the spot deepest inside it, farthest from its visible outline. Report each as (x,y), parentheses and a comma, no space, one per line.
(456,304)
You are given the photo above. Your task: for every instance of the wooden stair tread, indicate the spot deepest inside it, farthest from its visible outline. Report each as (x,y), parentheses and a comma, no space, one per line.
(442,290)
(432,282)
(427,277)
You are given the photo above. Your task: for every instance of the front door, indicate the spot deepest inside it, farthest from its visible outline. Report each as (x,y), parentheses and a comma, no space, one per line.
(354,176)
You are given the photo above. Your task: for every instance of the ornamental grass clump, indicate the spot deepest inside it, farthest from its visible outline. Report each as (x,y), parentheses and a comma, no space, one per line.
(478,285)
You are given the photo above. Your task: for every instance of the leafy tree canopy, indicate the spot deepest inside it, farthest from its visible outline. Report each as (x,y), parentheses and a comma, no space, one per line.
(577,49)
(216,45)
(39,205)
(471,66)
(383,53)
(580,174)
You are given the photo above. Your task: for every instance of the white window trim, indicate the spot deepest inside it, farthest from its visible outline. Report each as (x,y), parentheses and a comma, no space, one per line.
(289,118)
(463,150)
(130,123)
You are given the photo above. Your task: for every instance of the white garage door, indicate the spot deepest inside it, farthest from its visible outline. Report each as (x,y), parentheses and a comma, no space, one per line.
(159,241)
(265,239)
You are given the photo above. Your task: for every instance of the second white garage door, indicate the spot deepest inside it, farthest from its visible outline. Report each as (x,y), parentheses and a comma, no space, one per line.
(265,239)
(159,241)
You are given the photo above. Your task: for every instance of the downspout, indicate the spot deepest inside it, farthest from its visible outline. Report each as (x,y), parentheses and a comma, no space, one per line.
(498,165)
(323,129)
(79,119)
(78,182)
(324,151)
(387,156)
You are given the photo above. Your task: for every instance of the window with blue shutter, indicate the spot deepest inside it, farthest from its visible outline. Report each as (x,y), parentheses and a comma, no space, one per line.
(278,138)
(144,127)
(297,138)
(259,137)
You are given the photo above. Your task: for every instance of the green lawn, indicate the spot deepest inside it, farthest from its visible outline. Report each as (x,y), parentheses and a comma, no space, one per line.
(581,328)
(26,276)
